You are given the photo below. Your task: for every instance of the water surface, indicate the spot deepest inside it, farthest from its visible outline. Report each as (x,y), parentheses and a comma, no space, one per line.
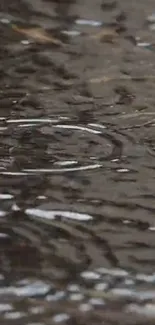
(77,157)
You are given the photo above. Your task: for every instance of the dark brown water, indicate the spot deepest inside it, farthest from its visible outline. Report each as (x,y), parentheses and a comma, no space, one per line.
(77,162)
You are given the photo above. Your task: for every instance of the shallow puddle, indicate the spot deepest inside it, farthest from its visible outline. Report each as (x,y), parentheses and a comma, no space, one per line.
(77,162)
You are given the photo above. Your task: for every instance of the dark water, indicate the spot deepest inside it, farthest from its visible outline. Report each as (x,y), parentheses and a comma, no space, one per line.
(77,162)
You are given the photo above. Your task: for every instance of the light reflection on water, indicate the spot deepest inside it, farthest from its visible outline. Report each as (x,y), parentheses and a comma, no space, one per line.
(97,296)
(76,162)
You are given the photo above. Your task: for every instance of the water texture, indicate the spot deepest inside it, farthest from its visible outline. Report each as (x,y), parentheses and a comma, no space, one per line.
(77,162)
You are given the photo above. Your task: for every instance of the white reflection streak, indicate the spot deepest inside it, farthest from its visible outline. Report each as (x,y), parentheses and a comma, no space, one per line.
(88,22)
(34,120)
(75,127)
(27,125)
(61,170)
(14,173)
(97,125)
(52,214)
(6,196)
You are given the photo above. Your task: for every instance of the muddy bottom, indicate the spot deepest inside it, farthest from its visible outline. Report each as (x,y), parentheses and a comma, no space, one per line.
(77,162)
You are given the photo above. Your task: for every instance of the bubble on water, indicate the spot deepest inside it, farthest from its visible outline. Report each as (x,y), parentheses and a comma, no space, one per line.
(90,275)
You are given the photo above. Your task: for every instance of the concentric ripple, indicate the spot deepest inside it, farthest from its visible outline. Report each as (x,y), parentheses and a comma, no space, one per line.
(63,147)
